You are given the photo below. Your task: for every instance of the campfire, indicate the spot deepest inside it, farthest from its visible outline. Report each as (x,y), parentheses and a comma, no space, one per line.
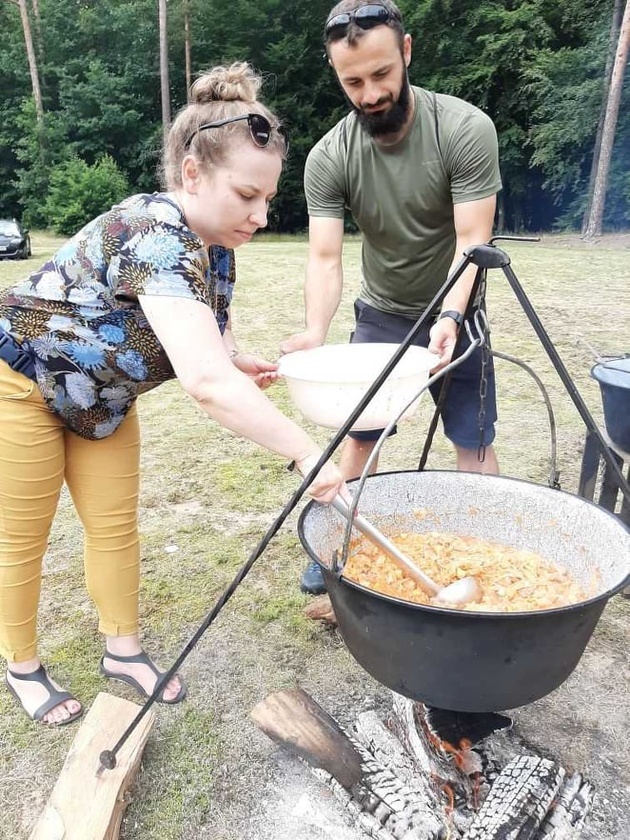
(430,774)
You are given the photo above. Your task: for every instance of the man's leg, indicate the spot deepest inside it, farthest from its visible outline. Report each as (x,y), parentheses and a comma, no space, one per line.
(354,457)
(461,413)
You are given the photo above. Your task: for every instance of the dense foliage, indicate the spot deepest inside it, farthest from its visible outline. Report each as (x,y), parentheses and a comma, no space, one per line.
(536,66)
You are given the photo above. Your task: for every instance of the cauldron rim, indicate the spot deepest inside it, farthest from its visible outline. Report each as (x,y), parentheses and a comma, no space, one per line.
(465,614)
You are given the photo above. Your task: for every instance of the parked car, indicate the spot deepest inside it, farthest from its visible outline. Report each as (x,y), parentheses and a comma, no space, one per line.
(14,240)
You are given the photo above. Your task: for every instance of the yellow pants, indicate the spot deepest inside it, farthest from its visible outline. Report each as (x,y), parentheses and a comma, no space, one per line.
(37,453)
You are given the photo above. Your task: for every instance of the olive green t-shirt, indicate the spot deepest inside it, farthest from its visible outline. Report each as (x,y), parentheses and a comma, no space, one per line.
(402,196)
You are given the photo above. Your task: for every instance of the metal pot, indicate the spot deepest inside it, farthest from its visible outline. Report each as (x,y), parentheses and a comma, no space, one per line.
(471,661)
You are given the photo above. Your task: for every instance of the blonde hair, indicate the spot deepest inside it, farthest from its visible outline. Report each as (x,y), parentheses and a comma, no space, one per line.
(223,91)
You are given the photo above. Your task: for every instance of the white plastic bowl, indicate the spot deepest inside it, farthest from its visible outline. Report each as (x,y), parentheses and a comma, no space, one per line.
(327,383)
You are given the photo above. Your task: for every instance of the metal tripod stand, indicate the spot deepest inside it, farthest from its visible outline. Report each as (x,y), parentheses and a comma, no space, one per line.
(485,257)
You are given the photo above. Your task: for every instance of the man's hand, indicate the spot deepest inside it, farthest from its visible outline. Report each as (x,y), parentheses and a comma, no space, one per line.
(443,337)
(300,341)
(262,372)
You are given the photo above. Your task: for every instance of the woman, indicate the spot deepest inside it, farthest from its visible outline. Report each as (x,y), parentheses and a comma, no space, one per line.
(134,299)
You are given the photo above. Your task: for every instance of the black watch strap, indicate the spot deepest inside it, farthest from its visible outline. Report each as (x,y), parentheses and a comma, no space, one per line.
(454,314)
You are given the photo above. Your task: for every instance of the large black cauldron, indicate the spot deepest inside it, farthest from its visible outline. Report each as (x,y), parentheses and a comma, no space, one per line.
(471,661)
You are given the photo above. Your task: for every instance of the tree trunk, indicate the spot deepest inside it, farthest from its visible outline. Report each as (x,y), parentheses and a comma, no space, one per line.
(187,48)
(610,59)
(32,62)
(164,82)
(39,40)
(594,224)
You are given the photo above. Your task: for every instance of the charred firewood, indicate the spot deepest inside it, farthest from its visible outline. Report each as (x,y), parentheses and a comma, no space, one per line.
(403,781)
(382,744)
(456,766)
(570,810)
(518,801)
(384,807)
(454,770)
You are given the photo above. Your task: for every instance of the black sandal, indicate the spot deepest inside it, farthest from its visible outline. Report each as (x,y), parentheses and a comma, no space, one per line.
(56,697)
(141,659)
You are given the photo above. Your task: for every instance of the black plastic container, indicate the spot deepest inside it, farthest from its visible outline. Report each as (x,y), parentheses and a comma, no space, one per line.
(614,383)
(461,660)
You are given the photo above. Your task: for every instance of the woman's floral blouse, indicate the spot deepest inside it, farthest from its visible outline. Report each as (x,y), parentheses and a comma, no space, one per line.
(79,317)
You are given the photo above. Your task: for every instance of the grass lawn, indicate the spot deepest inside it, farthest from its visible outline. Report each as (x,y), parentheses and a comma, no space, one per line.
(208,498)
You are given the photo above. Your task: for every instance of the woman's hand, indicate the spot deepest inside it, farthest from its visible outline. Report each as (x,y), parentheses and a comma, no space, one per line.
(262,372)
(327,483)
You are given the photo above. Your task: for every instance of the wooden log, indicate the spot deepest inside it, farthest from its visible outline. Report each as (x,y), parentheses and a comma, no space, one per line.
(320,609)
(382,804)
(87,802)
(292,718)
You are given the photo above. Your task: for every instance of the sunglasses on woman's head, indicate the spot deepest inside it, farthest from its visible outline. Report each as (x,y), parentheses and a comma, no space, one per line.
(260,129)
(365,17)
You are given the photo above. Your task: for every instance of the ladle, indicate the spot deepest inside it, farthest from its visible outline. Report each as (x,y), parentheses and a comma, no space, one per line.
(462,591)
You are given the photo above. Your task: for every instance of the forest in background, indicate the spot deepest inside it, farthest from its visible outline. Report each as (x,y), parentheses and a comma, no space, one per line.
(539,68)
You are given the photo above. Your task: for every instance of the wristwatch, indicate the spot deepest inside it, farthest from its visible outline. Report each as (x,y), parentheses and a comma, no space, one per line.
(454,314)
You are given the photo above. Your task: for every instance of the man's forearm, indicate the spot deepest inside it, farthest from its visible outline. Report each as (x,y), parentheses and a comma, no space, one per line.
(473,226)
(322,295)
(457,297)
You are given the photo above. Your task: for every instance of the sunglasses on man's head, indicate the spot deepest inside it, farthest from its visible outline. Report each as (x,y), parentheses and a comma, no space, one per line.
(259,129)
(365,17)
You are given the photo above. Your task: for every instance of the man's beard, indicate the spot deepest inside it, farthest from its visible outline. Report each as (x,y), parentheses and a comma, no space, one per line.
(390,121)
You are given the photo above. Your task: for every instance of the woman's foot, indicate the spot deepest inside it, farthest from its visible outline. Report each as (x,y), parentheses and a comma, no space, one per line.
(36,692)
(138,670)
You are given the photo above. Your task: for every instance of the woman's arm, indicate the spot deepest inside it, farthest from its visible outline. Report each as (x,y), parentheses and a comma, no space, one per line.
(190,336)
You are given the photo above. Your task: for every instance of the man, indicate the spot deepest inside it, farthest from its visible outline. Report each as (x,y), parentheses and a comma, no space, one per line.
(419,172)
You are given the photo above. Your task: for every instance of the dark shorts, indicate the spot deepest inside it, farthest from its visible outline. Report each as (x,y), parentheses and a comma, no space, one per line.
(460,411)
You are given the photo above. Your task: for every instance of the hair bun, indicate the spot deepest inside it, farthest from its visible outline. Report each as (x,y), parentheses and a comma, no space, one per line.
(237,82)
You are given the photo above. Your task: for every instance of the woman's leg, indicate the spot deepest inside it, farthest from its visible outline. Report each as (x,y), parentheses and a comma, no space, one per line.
(31,476)
(103,478)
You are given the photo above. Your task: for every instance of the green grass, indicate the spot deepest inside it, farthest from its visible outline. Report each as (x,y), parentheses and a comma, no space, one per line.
(214,496)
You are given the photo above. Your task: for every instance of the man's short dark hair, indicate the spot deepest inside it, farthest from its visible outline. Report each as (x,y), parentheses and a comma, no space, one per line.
(354,32)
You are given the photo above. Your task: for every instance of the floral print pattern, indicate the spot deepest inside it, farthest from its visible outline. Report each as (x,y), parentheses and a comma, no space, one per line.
(79,317)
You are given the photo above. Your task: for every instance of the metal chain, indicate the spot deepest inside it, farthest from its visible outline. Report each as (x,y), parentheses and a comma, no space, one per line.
(485,357)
